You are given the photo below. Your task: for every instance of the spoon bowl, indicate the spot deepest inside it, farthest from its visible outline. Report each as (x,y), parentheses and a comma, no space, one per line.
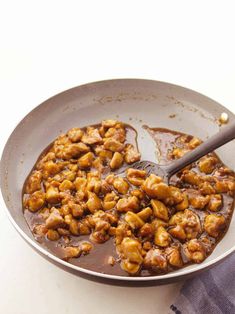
(150,167)
(225,135)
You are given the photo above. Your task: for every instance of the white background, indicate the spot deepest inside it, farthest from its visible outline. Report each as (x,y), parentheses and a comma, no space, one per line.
(49,46)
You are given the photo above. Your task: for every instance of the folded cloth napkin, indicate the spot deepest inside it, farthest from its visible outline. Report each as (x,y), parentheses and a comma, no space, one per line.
(212,292)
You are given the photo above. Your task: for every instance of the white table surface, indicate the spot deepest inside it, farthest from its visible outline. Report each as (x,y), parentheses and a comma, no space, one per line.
(49,46)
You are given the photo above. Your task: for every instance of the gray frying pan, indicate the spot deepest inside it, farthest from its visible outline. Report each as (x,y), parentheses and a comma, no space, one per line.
(133,101)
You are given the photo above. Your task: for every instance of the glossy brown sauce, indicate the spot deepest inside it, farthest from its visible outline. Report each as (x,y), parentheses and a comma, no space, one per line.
(97,260)
(165,140)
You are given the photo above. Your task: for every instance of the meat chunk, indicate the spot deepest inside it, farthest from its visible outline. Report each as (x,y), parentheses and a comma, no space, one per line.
(92,136)
(113,145)
(73,150)
(94,202)
(102,226)
(34,182)
(80,184)
(174,257)
(54,220)
(215,202)
(116,161)
(214,225)
(160,210)
(52,195)
(197,200)
(207,164)
(186,225)
(178,152)
(191,177)
(130,250)
(111,261)
(131,154)
(101,232)
(104,154)
(145,213)
(194,142)
(98,164)
(133,220)
(86,247)
(71,251)
(121,185)
(156,223)
(73,225)
(75,134)
(135,176)
(195,251)
(150,184)
(155,188)
(40,230)
(163,193)
(162,237)
(49,156)
(122,231)
(117,133)
(110,200)
(184,203)
(155,260)
(146,231)
(174,197)
(76,227)
(130,203)
(50,168)
(35,201)
(86,160)
(53,235)
(93,184)
(138,193)
(77,210)
(225,185)
(66,185)
(109,123)
(206,188)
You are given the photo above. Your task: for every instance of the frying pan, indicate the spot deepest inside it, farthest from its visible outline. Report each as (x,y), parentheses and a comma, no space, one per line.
(134,101)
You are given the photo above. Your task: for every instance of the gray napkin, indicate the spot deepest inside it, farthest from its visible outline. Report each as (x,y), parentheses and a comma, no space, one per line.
(212,292)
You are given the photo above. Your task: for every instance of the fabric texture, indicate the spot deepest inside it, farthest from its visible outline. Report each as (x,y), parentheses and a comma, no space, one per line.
(212,292)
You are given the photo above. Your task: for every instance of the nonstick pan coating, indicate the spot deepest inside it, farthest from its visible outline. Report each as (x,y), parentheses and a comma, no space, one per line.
(133,101)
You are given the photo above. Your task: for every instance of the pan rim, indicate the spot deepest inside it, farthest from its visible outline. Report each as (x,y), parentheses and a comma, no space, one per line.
(172,275)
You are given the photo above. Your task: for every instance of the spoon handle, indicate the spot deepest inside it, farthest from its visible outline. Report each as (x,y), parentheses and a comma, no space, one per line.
(226,134)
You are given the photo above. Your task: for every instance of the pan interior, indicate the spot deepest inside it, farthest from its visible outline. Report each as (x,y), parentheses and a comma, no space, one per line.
(137,102)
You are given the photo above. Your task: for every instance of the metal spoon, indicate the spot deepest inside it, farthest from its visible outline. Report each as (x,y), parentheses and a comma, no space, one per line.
(225,135)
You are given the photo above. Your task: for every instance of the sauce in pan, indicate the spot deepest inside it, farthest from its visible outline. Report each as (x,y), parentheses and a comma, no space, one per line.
(81,210)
